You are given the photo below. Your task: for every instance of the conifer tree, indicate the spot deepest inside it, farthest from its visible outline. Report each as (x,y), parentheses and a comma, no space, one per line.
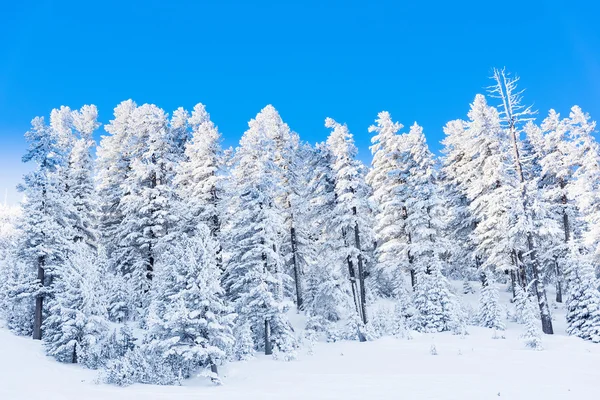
(435,308)
(389,216)
(513,113)
(76,324)
(351,214)
(191,324)
(253,277)
(46,221)
(147,204)
(81,176)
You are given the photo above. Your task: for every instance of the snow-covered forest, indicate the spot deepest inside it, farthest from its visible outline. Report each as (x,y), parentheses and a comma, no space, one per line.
(156,255)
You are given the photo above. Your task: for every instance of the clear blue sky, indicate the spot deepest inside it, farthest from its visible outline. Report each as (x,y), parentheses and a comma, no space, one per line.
(420,60)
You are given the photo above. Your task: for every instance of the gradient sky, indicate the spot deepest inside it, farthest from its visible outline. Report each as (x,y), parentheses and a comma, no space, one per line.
(422,61)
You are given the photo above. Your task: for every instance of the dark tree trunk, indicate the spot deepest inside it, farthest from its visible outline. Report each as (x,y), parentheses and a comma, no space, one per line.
(39,302)
(353,284)
(537,285)
(268,348)
(214,369)
(558,282)
(567,232)
(522,275)
(74,358)
(361,274)
(296,268)
(513,284)
(413,278)
(216,228)
(538,288)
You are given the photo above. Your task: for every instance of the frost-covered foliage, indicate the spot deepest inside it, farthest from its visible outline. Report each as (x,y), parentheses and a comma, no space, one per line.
(392,261)
(583,297)
(426,247)
(190,323)
(198,255)
(490,311)
(350,218)
(254,276)
(76,324)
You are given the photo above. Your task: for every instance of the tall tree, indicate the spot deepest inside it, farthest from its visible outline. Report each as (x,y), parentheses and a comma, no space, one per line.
(146,204)
(390,212)
(513,114)
(46,223)
(199,178)
(253,277)
(351,214)
(191,322)
(425,219)
(81,176)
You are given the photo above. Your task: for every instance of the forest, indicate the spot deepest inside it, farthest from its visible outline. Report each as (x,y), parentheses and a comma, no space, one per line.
(156,254)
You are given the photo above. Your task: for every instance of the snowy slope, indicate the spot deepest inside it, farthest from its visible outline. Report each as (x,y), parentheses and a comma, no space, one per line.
(471,367)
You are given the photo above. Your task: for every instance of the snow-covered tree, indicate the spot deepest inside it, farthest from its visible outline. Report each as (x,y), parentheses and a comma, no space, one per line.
(199,178)
(190,322)
(530,216)
(147,201)
(81,176)
(425,221)
(350,218)
(327,295)
(389,231)
(113,169)
(46,223)
(456,177)
(586,187)
(254,272)
(76,323)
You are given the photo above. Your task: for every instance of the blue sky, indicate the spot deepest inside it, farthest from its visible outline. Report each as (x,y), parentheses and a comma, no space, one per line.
(421,61)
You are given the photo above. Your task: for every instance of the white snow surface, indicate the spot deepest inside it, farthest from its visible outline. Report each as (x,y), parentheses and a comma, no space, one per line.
(475,366)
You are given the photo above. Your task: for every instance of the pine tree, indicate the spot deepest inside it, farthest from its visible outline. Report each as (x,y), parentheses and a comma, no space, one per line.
(425,216)
(529,215)
(351,215)
(81,176)
(46,221)
(199,178)
(586,187)
(327,296)
(490,311)
(583,297)
(114,168)
(389,216)
(253,276)
(191,323)
(76,324)
(456,177)
(147,204)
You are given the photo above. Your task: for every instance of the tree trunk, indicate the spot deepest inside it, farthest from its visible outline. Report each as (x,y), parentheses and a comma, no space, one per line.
(74,358)
(39,302)
(296,269)
(567,232)
(361,274)
(539,290)
(513,284)
(216,228)
(413,277)
(558,282)
(538,286)
(353,284)
(268,348)
(213,368)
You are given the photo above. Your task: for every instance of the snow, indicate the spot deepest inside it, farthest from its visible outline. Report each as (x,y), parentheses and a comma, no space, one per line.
(475,366)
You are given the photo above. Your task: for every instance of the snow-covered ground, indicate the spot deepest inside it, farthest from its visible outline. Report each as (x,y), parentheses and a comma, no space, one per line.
(476,366)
